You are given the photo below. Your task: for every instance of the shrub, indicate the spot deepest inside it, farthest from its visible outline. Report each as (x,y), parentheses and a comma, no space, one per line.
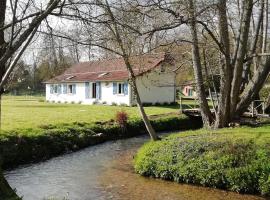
(104,102)
(58,101)
(114,104)
(121,119)
(166,103)
(145,104)
(72,102)
(123,105)
(80,102)
(95,102)
(218,161)
(157,104)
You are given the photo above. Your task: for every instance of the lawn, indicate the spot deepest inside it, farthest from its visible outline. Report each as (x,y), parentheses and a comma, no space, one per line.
(31,112)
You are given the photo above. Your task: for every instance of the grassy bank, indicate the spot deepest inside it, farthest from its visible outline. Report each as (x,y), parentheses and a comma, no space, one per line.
(30,112)
(232,159)
(26,145)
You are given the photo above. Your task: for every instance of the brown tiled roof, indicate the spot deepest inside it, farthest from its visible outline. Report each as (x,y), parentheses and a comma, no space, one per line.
(109,69)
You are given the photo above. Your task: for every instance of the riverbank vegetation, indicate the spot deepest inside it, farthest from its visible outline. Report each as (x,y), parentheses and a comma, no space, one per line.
(24,145)
(236,159)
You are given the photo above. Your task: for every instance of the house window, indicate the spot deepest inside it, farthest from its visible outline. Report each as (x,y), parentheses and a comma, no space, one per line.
(120,88)
(94,90)
(190,92)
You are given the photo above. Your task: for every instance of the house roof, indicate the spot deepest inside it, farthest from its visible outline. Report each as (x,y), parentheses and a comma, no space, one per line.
(109,69)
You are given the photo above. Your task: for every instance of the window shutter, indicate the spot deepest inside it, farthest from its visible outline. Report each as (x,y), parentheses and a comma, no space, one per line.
(74,89)
(64,88)
(51,89)
(98,85)
(87,90)
(59,89)
(114,88)
(126,88)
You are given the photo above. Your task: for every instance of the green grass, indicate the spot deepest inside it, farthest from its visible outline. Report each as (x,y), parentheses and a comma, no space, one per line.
(30,112)
(234,159)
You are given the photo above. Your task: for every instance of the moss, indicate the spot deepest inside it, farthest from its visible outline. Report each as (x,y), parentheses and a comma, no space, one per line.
(223,159)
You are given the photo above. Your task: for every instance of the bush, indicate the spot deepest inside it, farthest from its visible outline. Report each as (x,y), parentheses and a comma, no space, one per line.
(114,104)
(121,119)
(217,161)
(158,104)
(123,105)
(145,104)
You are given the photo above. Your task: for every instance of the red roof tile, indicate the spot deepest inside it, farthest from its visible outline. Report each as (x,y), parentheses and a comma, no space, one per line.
(109,69)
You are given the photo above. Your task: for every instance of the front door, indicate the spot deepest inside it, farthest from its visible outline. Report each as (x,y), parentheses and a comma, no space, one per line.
(94,90)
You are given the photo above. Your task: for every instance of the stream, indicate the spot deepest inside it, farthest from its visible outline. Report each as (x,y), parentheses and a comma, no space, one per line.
(103,172)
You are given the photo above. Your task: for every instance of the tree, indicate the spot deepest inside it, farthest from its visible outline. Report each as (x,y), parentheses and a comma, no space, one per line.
(21,30)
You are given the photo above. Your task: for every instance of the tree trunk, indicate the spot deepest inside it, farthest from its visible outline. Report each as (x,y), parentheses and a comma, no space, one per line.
(146,121)
(254,86)
(115,30)
(242,51)
(223,114)
(205,110)
(6,191)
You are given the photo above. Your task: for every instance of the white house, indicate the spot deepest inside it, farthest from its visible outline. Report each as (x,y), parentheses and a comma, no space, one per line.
(106,81)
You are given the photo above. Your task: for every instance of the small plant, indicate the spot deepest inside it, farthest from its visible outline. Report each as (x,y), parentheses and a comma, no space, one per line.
(166,103)
(114,104)
(53,101)
(95,102)
(104,102)
(80,102)
(72,102)
(173,104)
(65,102)
(157,104)
(147,104)
(121,119)
(58,101)
(123,104)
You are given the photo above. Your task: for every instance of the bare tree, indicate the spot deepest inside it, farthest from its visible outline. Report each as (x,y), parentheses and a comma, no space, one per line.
(15,36)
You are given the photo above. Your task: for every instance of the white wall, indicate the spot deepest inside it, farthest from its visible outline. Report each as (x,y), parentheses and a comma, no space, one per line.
(107,95)
(157,87)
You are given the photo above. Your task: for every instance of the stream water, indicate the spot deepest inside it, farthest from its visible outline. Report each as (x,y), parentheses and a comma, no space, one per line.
(103,172)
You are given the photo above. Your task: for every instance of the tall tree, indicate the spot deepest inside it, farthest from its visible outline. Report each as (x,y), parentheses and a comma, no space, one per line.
(21,29)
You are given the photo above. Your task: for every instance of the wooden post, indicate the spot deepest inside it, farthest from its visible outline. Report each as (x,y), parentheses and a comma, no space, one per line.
(252,109)
(263,107)
(181,108)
